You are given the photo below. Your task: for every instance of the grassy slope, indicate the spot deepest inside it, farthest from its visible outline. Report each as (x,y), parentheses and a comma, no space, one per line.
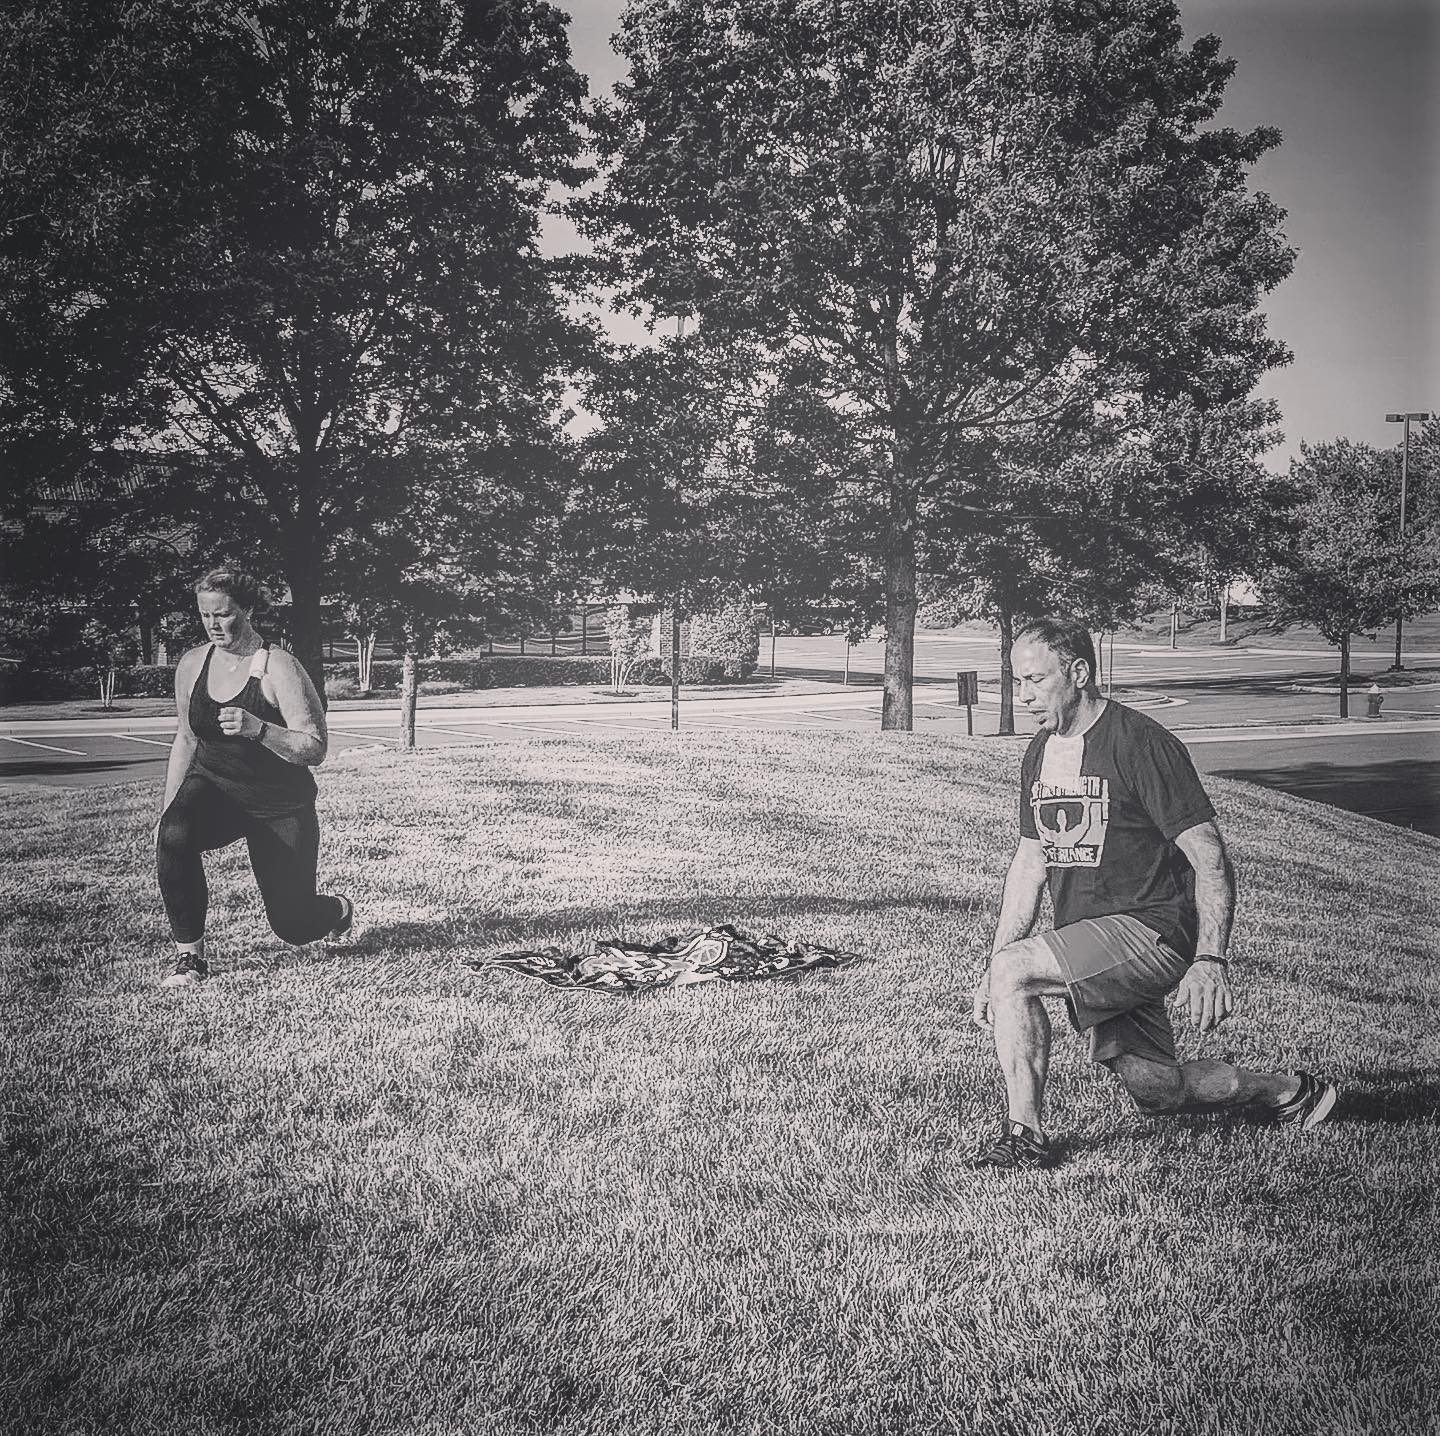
(371,1191)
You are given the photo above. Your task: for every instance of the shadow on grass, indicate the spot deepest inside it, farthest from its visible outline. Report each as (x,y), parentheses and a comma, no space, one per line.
(752,911)
(49,767)
(1389,1096)
(472,936)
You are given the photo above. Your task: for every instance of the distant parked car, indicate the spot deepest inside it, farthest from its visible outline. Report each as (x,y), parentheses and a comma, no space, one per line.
(813,623)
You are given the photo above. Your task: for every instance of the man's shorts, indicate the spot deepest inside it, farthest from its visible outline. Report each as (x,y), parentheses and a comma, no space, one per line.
(1118,973)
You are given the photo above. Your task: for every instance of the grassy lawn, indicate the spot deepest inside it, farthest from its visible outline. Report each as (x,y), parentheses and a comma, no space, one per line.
(370,1191)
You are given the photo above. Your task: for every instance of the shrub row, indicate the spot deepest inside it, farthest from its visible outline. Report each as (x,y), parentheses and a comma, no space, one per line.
(157,680)
(527,671)
(20,684)
(500,670)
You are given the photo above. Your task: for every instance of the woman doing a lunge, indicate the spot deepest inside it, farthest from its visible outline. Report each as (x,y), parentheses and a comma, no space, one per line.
(251,728)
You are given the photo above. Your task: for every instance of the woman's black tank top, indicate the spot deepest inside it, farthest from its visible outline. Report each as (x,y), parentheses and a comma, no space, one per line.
(259,781)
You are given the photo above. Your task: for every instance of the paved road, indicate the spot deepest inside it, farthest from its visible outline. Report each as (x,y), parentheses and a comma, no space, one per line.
(1203,686)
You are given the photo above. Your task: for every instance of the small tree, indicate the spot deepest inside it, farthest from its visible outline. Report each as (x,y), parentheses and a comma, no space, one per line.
(111,648)
(629,636)
(1347,569)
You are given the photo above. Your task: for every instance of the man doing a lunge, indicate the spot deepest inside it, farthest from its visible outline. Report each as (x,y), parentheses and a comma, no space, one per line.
(1114,819)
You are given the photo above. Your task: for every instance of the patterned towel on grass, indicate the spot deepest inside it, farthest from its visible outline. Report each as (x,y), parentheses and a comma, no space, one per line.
(718,954)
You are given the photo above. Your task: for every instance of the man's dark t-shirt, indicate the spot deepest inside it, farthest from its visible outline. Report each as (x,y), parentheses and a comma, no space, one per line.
(1107,808)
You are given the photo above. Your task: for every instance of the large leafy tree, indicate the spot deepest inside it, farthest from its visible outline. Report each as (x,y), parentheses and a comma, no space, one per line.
(467,536)
(77,567)
(1103,523)
(314,229)
(955,220)
(1347,568)
(707,481)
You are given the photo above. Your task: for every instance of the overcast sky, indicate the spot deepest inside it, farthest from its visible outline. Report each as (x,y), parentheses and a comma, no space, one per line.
(1352,86)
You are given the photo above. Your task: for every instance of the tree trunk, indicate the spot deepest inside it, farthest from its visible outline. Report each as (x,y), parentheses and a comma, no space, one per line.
(1345,676)
(365,659)
(306,625)
(147,644)
(407,697)
(898,708)
(1007,674)
(1224,611)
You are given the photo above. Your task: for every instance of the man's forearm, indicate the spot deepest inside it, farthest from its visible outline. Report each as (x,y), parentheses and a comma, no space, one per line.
(1214,907)
(1214,888)
(1019,905)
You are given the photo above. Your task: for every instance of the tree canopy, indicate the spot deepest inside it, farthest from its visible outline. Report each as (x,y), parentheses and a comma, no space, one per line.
(287,242)
(950,222)
(1347,568)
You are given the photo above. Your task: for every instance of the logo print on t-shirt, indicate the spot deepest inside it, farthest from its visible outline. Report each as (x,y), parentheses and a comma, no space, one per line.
(1071,820)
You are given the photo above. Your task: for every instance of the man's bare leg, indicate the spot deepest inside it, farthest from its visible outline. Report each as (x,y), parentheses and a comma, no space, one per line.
(1021,975)
(1202,1085)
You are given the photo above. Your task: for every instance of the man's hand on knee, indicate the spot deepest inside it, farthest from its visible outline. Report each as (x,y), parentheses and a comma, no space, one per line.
(1204,992)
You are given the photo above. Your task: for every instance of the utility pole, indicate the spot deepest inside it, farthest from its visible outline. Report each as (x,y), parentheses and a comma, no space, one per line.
(1405,419)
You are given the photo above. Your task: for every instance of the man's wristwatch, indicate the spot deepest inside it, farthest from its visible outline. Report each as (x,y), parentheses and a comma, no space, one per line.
(1211,957)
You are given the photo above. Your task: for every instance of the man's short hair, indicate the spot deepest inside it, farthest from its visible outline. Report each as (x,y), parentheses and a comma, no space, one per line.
(1067,638)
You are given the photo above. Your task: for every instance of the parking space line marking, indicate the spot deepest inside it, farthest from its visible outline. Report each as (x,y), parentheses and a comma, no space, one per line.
(367,733)
(48,747)
(457,732)
(131,738)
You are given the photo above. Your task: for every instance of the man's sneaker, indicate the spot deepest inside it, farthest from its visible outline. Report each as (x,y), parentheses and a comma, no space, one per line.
(1311,1105)
(186,970)
(346,926)
(1017,1146)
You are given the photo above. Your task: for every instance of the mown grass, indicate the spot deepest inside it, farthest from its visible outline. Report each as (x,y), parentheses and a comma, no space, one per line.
(370,1191)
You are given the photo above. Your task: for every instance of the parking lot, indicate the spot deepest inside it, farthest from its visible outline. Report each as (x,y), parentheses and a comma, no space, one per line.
(1245,713)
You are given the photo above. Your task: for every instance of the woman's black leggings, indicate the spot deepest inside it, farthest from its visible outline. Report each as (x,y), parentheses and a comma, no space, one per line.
(283,854)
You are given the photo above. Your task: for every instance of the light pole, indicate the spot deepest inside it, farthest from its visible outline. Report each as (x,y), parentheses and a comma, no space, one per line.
(1404,485)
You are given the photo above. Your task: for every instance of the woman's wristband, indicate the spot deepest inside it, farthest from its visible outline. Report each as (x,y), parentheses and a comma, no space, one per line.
(1211,957)
(264,729)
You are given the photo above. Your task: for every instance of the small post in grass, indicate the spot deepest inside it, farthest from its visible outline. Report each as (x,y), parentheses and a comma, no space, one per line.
(847,660)
(675,668)
(772,646)
(967,687)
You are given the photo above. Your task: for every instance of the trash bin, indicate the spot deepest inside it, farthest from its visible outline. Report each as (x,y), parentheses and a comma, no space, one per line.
(1373,699)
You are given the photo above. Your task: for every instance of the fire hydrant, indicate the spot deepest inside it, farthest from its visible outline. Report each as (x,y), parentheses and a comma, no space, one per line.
(1373,699)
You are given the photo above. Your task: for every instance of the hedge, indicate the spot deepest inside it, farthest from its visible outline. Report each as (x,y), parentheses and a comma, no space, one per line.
(157,680)
(499,670)
(19,684)
(147,680)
